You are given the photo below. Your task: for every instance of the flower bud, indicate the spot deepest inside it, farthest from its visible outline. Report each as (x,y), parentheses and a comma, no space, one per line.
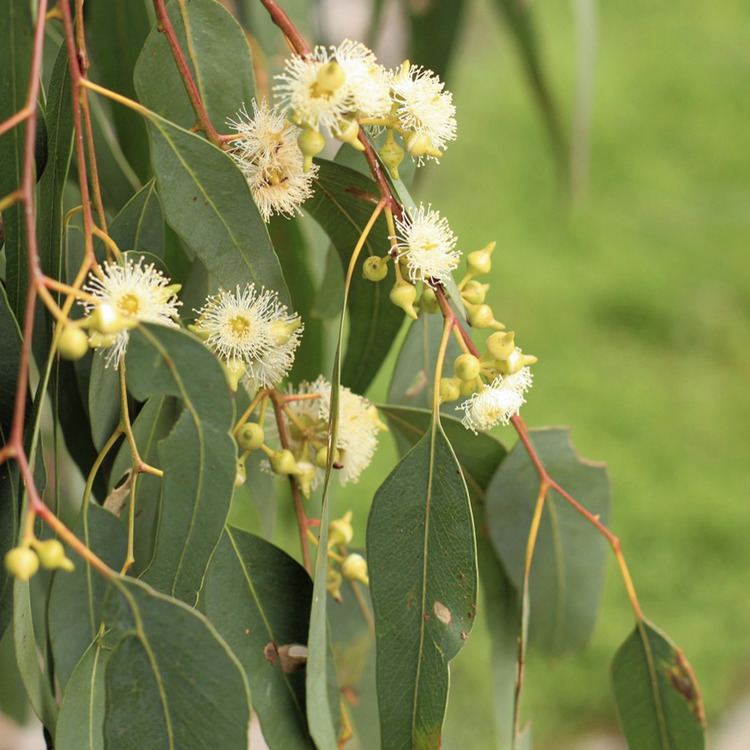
(468,387)
(392,155)
(250,436)
(105,319)
(428,301)
(310,143)
(354,568)
(282,330)
(374,416)
(306,474)
(403,295)
(516,361)
(450,389)
(375,268)
(333,583)
(235,370)
(482,316)
(480,261)
(165,293)
(466,367)
(501,345)
(240,473)
(73,343)
(474,292)
(101,341)
(420,144)
(283,462)
(21,563)
(51,555)
(347,130)
(331,77)
(321,457)
(340,530)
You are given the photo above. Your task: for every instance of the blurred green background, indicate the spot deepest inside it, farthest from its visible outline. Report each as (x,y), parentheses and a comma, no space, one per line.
(636,298)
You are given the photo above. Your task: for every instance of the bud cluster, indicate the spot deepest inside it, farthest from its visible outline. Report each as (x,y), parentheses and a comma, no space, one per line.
(23,562)
(343,565)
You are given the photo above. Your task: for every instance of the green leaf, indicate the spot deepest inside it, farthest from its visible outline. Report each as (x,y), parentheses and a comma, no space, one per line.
(117,31)
(258,598)
(343,202)
(423,583)
(171,680)
(75,597)
(198,457)
(10,353)
(139,225)
(568,568)
(657,695)
(208,203)
(104,400)
(15,61)
(435,28)
(219,57)
(519,18)
(153,423)
(79,725)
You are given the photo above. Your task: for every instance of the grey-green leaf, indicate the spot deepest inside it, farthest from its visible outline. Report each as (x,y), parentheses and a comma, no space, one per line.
(104,400)
(219,57)
(658,698)
(139,225)
(197,458)
(208,203)
(568,568)
(343,202)
(423,583)
(171,680)
(259,598)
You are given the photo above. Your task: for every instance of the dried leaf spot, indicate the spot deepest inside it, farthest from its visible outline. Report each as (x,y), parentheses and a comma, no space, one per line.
(464,635)
(293,657)
(442,613)
(683,681)
(270,652)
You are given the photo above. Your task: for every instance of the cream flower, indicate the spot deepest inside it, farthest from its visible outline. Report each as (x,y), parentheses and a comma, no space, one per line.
(313,88)
(139,293)
(369,83)
(357,437)
(496,403)
(268,156)
(251,329)
(427,242)
(424,108)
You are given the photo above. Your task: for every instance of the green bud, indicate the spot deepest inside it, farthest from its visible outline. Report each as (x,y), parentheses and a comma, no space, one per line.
(251,436)
(347,131)
(392,155)
(501,345)
(283,462)
(468,387)
(331,77)
(482,316)
(21,563)
(306,474)
(403,295)
(282,330)
(333,583)
(516,361)
(450,389)
(375,268)
(51,555)
(420,144)
(235,370)
(340,530)
(474,292)
(73,343)
(321,457)
(428,301)
(354,568)
(480,261)
(466,367)
(311,143)
(101,341)
(105,319)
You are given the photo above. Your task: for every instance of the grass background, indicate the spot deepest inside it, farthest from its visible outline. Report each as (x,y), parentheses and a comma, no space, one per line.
(636,298)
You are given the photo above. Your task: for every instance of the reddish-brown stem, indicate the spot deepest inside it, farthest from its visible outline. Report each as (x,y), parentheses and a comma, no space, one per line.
(277,399)
(15,119)
(282,20)
(165,24)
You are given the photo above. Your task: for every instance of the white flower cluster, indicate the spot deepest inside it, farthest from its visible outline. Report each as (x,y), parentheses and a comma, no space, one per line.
(252,332)
(496,403)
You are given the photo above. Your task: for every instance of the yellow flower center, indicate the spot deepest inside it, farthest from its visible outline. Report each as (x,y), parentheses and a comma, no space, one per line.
(240,326)
(129,305)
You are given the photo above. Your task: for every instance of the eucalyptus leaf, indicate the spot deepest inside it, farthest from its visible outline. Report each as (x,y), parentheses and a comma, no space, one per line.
(139,225)
(207,202)
(423,583)
(259,598)
(220,61)
(568,567)
(198,457)
(173,671)
(75,597)
(658,698)
(343,202)
(104,401)
(435,29)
